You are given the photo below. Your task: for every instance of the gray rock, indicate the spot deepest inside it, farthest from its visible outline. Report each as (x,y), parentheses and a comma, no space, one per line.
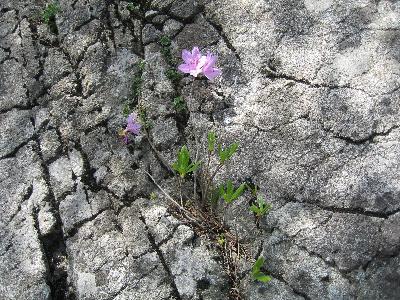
(50,144)
(159,20)
(61,177)
(15,129)
(199,33)
(381,279)
(184,9)
(171,27)
(165,133)
(150,34)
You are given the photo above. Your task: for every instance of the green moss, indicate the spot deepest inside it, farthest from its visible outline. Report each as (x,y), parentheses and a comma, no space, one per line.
(179,104)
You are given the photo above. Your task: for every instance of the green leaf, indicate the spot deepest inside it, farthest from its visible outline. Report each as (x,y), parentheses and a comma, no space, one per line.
(182,165)
(194,166)
(239,191)
(211,137)
(254,208)
(257,265)
(262,277)
(226,154)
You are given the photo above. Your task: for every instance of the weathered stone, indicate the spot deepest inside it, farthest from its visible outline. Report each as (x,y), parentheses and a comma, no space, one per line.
(50,144)
(150,34)
(165,133)
(15,129)
(199,33)
(61,177)
(172,27)
(184,9)
(159,20)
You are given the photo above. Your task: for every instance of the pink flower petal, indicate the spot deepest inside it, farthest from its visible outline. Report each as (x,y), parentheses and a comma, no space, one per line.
(211,73)
(186,56)
(185,68)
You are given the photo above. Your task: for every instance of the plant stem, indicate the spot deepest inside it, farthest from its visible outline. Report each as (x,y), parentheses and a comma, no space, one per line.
(206,177)
(180,190)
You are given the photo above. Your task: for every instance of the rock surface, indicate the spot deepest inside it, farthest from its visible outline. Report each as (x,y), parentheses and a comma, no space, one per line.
(311,91)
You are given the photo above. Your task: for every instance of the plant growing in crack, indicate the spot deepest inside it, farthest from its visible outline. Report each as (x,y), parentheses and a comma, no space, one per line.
(179,104)
(205,170)
(256,273)
(184,166)
(49,15)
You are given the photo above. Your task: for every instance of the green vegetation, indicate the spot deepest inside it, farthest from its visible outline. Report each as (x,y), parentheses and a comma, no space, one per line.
(179,104)
(256,271)
(183,165)
(49,16)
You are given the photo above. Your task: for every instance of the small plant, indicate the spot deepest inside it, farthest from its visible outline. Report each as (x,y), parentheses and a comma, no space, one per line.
(144,119)
(226,154)
(141,65)
(260,208)
(179,104)
(256,271)
(165,41)
(133,7)
(221,240)
(153,196)
(126,109)
(173,75)
(183,165)
(229,194)
(49,13)
(136,85)
(208,191)
(49,16)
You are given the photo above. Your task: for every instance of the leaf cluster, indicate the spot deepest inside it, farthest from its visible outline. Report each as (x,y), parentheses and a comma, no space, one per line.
(261,207)
(183,165)
(49,13)
(179,104)
(256,271)
(226,154)
(229,193)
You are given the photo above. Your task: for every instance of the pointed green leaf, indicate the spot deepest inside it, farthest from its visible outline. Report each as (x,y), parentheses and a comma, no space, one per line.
(193,167)
(262,277)
(239,191)
(211,137)
(257,265)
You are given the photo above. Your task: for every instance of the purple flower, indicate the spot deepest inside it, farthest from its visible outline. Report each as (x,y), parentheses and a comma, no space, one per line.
(193,62)
(209,69)
(132,125)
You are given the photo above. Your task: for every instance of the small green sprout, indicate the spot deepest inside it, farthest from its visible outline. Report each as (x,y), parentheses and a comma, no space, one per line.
(230,194)
(153,196)
(136,85)
(179,104)
(256,271)
(183,165)
(226,154)
(261,207)
(165,41)
(141,64)
(221,239)
(126,109)
(133,7)
(49,13)
(173,75)
(144,119)
(211,138)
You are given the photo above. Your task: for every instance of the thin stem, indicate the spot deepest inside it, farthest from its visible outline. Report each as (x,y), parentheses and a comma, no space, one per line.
(158,154)
(180,189)
(206,177)
(188,215)
(195,172)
